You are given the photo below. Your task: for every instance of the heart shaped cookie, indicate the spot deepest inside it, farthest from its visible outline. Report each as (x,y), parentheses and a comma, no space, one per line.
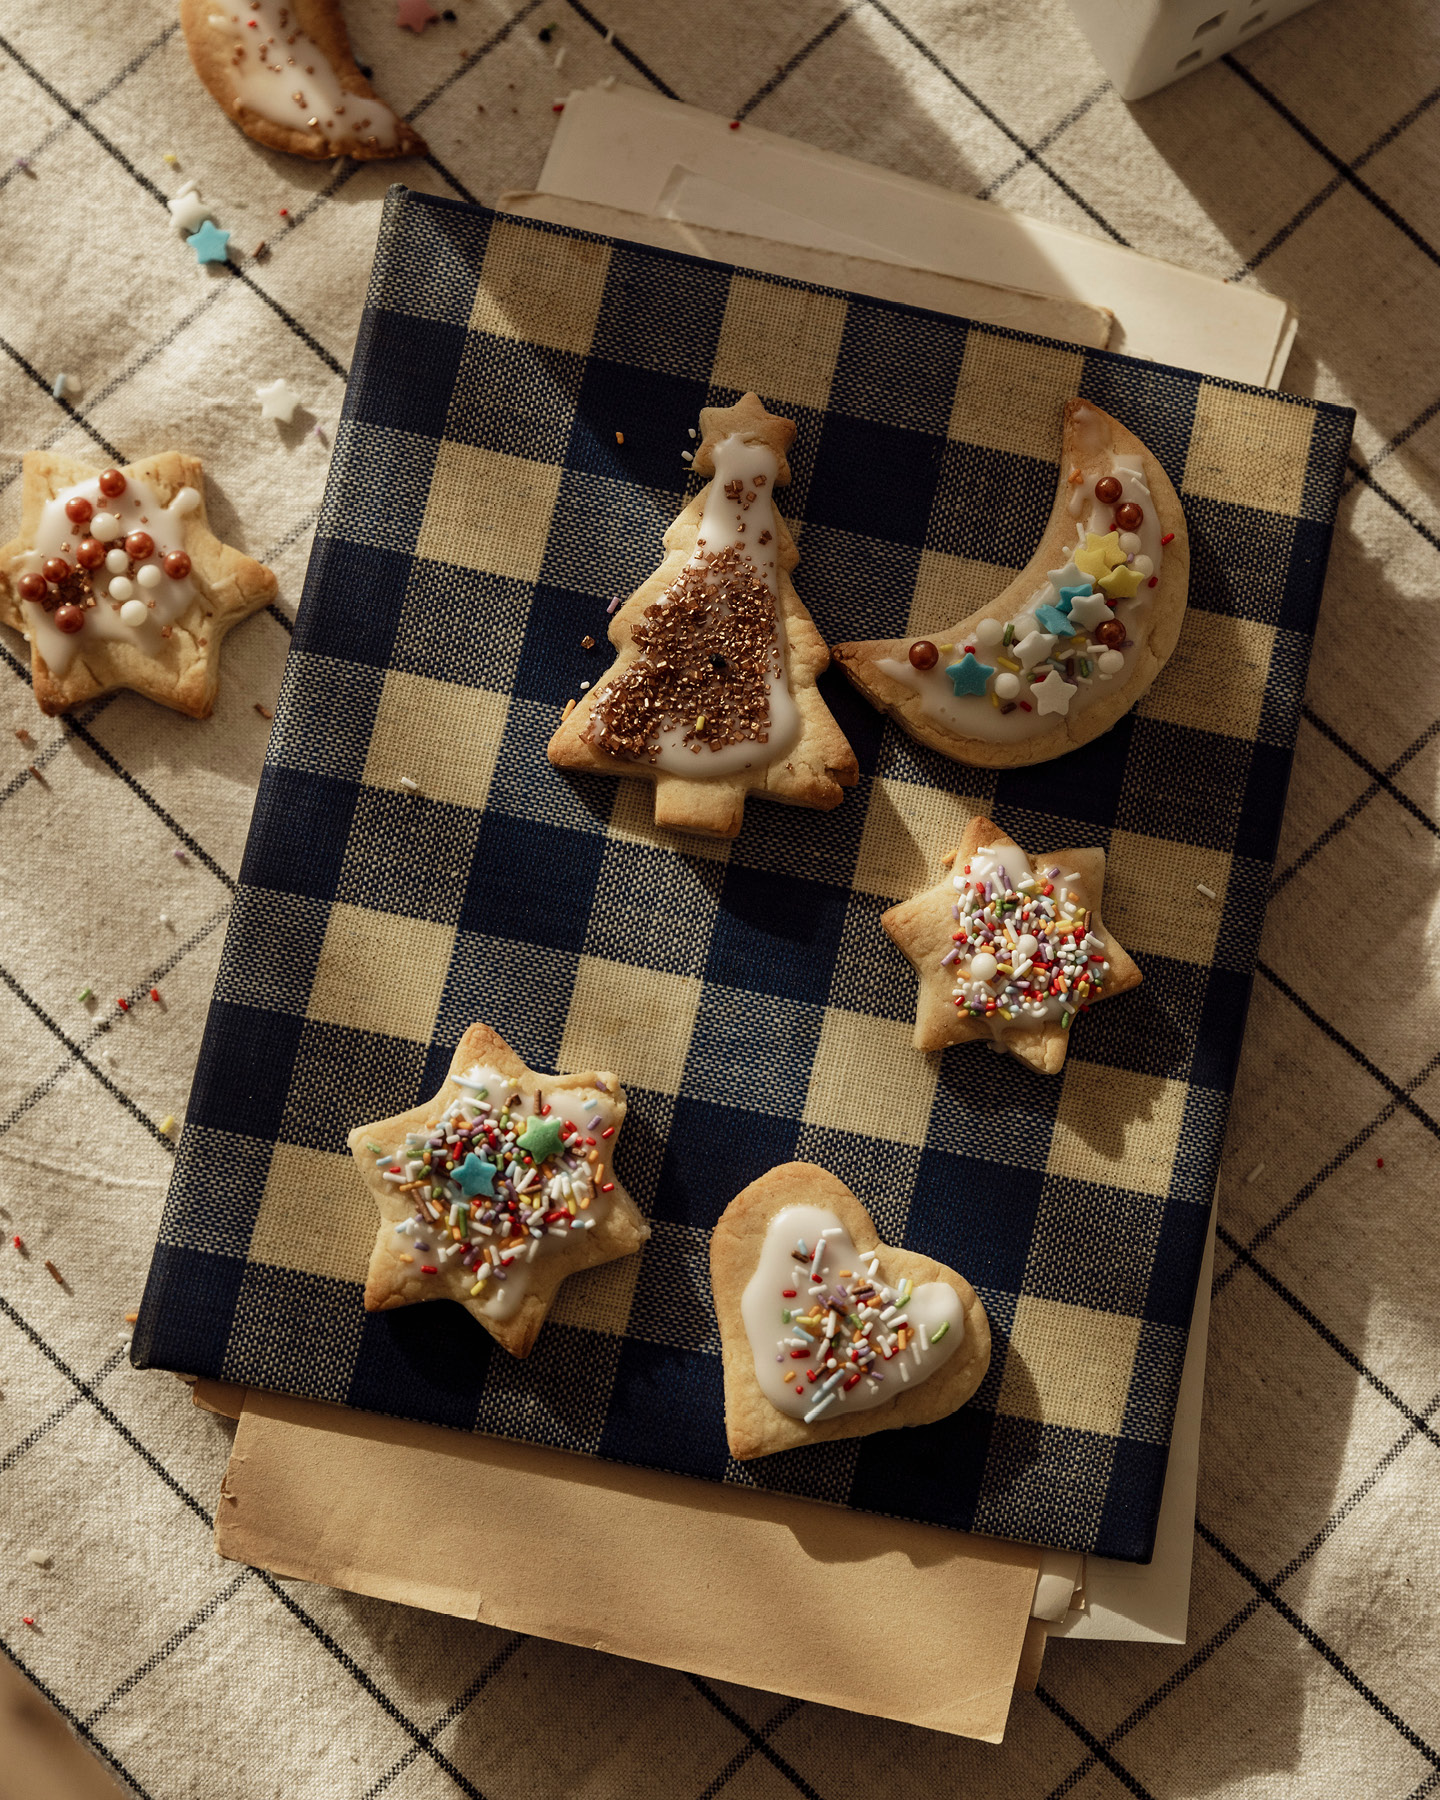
(1076,638)
(825,1332)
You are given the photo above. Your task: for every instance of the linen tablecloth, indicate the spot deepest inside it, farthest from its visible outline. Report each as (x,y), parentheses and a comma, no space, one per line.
(1307,165)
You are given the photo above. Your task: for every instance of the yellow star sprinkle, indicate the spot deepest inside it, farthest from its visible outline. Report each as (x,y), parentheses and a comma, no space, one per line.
(1099,554)
(1120,583)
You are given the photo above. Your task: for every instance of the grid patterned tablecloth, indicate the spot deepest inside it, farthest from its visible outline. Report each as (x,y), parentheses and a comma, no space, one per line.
(1304,164)
(509,456)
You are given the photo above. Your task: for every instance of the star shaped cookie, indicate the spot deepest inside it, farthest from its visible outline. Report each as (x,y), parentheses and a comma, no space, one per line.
(1009,948)
(118,582)
(712,693)
(495,1190)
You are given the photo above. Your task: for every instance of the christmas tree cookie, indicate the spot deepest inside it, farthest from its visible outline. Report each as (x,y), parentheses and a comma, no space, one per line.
(1078,636)
(118,582)
(825,1332)
(712,694)
(1009,949)
(496,1190)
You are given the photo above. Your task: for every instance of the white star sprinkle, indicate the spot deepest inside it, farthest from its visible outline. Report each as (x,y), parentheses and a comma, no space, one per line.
(187,209)
(278,401)
(1069,576)
(1053,694)
(1090,610)
(1034,648)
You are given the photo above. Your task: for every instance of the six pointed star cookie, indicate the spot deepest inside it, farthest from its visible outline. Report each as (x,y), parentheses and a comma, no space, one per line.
(495,1190)
(118,582)
(1036,924)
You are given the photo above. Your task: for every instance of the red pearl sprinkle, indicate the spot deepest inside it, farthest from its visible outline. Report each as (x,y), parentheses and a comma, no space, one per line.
(90,553)
(70,618)
(32,587)
(177,565)
(139,544)
(56,569)
(923,654)
(1129,516)
(78,510)
(112,484)
(1108,490)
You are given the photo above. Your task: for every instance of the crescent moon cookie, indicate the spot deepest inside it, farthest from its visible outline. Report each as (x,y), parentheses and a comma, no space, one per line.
(496,1190)
(1075,639)
(712,694)
(284,73)
(117,581)
(1010,950)
(825,1332)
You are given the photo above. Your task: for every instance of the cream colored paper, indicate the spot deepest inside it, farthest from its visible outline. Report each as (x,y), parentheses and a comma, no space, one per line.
(625,148)
(1045,314)
(686,1574)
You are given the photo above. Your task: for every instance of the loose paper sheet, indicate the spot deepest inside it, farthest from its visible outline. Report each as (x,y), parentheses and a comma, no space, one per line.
(621,147)
(686,1574)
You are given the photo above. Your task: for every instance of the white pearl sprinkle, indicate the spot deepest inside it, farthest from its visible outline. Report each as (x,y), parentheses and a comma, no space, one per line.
(148,575)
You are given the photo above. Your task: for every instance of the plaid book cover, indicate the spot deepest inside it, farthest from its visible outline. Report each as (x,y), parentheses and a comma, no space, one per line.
(480,515)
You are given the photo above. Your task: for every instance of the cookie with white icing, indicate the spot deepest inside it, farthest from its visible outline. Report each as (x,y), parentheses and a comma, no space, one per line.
(1078,636)
(1009,949)
(283,71)
(118,581)
(712,694)
(497,1189)
(825,1332)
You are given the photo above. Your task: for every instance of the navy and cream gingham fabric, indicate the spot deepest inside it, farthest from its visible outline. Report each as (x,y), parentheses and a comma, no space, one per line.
(480,515)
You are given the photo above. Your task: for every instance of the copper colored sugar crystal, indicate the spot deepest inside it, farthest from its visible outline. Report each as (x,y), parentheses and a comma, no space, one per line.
(707,651)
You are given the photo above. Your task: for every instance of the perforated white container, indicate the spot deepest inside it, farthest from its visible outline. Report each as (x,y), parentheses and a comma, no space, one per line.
(1146,44)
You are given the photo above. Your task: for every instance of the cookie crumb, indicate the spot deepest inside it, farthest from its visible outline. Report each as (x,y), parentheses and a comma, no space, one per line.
(587,643)
(619,437)
(264,711)
(41,1558)
(167,1125)
(569,708)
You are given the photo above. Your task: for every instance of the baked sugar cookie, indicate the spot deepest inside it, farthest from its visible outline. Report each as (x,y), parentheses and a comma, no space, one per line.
(1009,949)
(712,695)
(118,582)
(825,1332)
(496,1190)
(285,75)
(1075,639)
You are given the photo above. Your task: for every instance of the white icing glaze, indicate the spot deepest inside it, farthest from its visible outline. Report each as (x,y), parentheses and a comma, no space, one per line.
(484,1094)
(932,1305)
(973,715)
(280,72)
(979,975)
(137,509)
(725,523)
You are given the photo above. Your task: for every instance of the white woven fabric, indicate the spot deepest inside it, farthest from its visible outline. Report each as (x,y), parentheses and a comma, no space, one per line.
(1308,165)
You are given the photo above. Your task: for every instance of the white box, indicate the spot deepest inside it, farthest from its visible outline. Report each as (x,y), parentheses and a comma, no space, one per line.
(1146,44)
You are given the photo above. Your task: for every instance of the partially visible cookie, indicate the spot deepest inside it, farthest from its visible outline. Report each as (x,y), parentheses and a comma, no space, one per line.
(712,695)
(1075,639)
(497,1189)
(118,582)
(1009,949)
(284,73)
(826,1333)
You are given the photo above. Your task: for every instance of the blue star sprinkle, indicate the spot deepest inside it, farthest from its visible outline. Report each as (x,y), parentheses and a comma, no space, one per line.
(969,675)
(1068,595)
(208,243)
(476,1176)
(1051,619)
